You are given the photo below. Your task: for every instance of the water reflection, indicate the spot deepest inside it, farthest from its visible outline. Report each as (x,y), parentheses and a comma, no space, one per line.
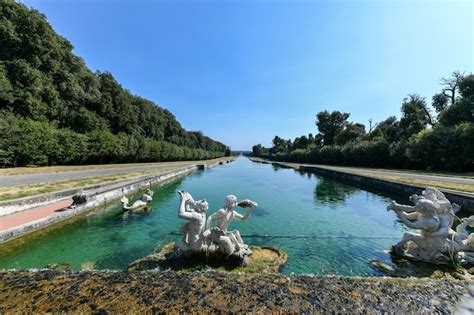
(259,211)
(330,191)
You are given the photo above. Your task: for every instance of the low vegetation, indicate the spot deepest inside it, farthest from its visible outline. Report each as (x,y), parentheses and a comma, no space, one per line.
(8,193)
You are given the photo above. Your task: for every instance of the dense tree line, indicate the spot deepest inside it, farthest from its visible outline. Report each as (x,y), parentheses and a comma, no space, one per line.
(420,139)
(54,110)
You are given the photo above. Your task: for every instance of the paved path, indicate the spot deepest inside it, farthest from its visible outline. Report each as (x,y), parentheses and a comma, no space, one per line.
(27,216)
(41,178)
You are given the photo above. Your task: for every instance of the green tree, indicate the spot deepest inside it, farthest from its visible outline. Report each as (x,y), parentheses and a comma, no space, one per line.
(350,133)
(257,150)
(104,146)
(330,124)
(415,116)
(10,138)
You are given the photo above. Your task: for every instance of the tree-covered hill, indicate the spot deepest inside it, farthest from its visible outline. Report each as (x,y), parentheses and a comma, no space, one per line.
(420,139)
(54,110)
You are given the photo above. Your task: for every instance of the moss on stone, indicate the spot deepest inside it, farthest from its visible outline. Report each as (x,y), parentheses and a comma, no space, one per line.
(262,260)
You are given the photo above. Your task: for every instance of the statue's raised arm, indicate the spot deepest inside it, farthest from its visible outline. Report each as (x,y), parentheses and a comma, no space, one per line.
(195,213)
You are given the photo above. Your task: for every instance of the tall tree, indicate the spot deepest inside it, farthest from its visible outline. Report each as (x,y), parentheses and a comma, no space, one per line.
(415,115)
(329,124)
(451,86)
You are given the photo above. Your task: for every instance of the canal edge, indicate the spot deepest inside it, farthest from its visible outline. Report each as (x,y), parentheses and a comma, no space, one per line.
(102,196)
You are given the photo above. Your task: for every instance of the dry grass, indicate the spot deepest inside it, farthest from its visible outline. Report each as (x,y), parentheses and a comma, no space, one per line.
(420,172)
(425,183)
(68,168)
(377,173)
(7,193)
(355,169)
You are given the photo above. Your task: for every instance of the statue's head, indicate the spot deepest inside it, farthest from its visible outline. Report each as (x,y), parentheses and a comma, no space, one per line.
(201,206)
(426,207)
(230,202)
(429,193)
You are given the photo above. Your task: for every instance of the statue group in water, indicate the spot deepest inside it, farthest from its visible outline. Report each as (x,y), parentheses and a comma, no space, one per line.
(199,234)
(433,215)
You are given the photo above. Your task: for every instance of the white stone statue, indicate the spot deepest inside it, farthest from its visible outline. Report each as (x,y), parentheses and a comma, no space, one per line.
(433,215)
(212,240)
(230,242)
(195,213)
(146,198)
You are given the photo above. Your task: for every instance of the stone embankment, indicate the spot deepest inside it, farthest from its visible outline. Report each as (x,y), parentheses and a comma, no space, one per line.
(169,291)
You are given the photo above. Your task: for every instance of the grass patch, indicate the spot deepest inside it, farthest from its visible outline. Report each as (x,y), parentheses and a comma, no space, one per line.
(8,193)
(376,173)
(469,175)
(68,168)
(425,183)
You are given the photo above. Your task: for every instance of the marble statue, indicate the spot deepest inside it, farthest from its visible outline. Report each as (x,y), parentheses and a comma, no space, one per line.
(436,242)
(195,213)
(146,198)
(230,242)
(218,240)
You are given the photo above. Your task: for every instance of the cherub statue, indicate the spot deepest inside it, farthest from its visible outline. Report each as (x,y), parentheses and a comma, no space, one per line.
(195,213)
(433,215)
(423,217)
(230,242)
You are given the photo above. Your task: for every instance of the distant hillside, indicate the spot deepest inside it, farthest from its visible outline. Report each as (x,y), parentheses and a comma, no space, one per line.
(54,110)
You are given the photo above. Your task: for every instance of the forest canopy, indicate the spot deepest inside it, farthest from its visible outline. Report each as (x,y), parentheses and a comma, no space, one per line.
(54,110)
(436,137)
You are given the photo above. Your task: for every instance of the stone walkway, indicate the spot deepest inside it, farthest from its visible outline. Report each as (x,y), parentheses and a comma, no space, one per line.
(27,216)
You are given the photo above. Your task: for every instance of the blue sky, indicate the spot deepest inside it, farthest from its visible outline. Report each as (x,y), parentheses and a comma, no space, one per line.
(245,71)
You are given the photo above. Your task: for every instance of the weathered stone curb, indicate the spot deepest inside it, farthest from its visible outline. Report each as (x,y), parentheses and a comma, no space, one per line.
(101,196)
(178,292)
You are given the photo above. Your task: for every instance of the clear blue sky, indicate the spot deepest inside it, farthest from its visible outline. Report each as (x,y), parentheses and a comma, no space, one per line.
(244,71)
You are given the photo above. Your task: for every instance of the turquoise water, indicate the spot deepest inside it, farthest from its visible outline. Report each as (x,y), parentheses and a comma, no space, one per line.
(325,226)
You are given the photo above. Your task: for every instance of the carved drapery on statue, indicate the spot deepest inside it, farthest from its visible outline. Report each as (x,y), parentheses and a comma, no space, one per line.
(436,242)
